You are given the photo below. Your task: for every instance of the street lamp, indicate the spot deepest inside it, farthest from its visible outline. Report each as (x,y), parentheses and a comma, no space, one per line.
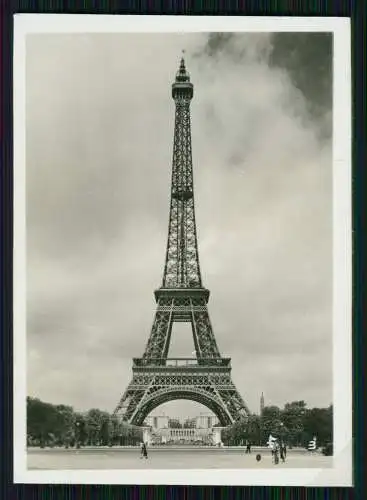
(259,431)
(77,440)
(281,432)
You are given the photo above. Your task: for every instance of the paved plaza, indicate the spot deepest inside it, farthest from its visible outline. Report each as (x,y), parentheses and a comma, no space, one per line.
(168,458)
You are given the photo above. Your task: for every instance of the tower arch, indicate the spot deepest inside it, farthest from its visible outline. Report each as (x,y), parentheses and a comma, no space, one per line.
(164,396)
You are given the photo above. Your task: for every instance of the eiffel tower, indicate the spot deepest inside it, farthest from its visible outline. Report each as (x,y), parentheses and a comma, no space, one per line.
(205,378)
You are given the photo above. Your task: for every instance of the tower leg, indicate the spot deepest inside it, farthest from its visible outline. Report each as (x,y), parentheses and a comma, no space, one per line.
(209,385)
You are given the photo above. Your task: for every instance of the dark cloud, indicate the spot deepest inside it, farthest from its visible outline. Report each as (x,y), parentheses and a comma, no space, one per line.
(99,146)
(306,57)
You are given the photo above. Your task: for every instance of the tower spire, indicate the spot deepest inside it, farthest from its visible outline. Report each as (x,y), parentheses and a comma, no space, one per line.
(262,403)
(182,74)
(182,268)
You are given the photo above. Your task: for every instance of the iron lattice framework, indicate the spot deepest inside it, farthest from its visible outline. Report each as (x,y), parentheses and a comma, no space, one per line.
(181,298)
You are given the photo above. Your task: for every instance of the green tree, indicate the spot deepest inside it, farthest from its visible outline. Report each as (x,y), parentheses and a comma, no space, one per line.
(81,434)
(253,429)
(105,430)
(319,422)
(94,419)
(115,430)
(235,434)
(44,423)
(293,417)
(271,422)
(49,424)
(65,422)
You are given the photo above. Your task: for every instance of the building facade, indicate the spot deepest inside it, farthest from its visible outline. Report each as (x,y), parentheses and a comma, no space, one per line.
(157,421)
(170,430)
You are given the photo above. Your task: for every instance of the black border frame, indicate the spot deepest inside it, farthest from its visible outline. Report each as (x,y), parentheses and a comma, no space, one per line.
(354,9)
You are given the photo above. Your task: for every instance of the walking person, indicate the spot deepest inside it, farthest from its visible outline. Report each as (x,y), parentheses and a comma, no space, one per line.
(141,449)
(271,445)
(276,453)
(145,451)
(283,451)
(272,449)
(248,447)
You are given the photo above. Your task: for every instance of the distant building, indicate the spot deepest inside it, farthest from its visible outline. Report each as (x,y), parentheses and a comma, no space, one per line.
(206,421)
(174,423)
(190,423)
(187,435)
(262,403)
(157,421)
(193,430)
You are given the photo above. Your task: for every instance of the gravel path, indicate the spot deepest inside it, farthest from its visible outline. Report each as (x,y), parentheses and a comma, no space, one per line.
(112,459)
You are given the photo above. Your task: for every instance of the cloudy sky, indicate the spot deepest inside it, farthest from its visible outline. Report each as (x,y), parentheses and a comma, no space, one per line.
(99,147)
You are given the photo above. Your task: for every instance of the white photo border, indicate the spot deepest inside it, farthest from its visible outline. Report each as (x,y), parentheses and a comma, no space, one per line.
(340,474)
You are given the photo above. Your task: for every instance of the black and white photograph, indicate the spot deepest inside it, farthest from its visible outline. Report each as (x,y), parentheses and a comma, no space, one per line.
(182,259)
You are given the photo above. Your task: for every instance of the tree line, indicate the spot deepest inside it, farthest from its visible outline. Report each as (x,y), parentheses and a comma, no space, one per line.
(60,425)
(295,424)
